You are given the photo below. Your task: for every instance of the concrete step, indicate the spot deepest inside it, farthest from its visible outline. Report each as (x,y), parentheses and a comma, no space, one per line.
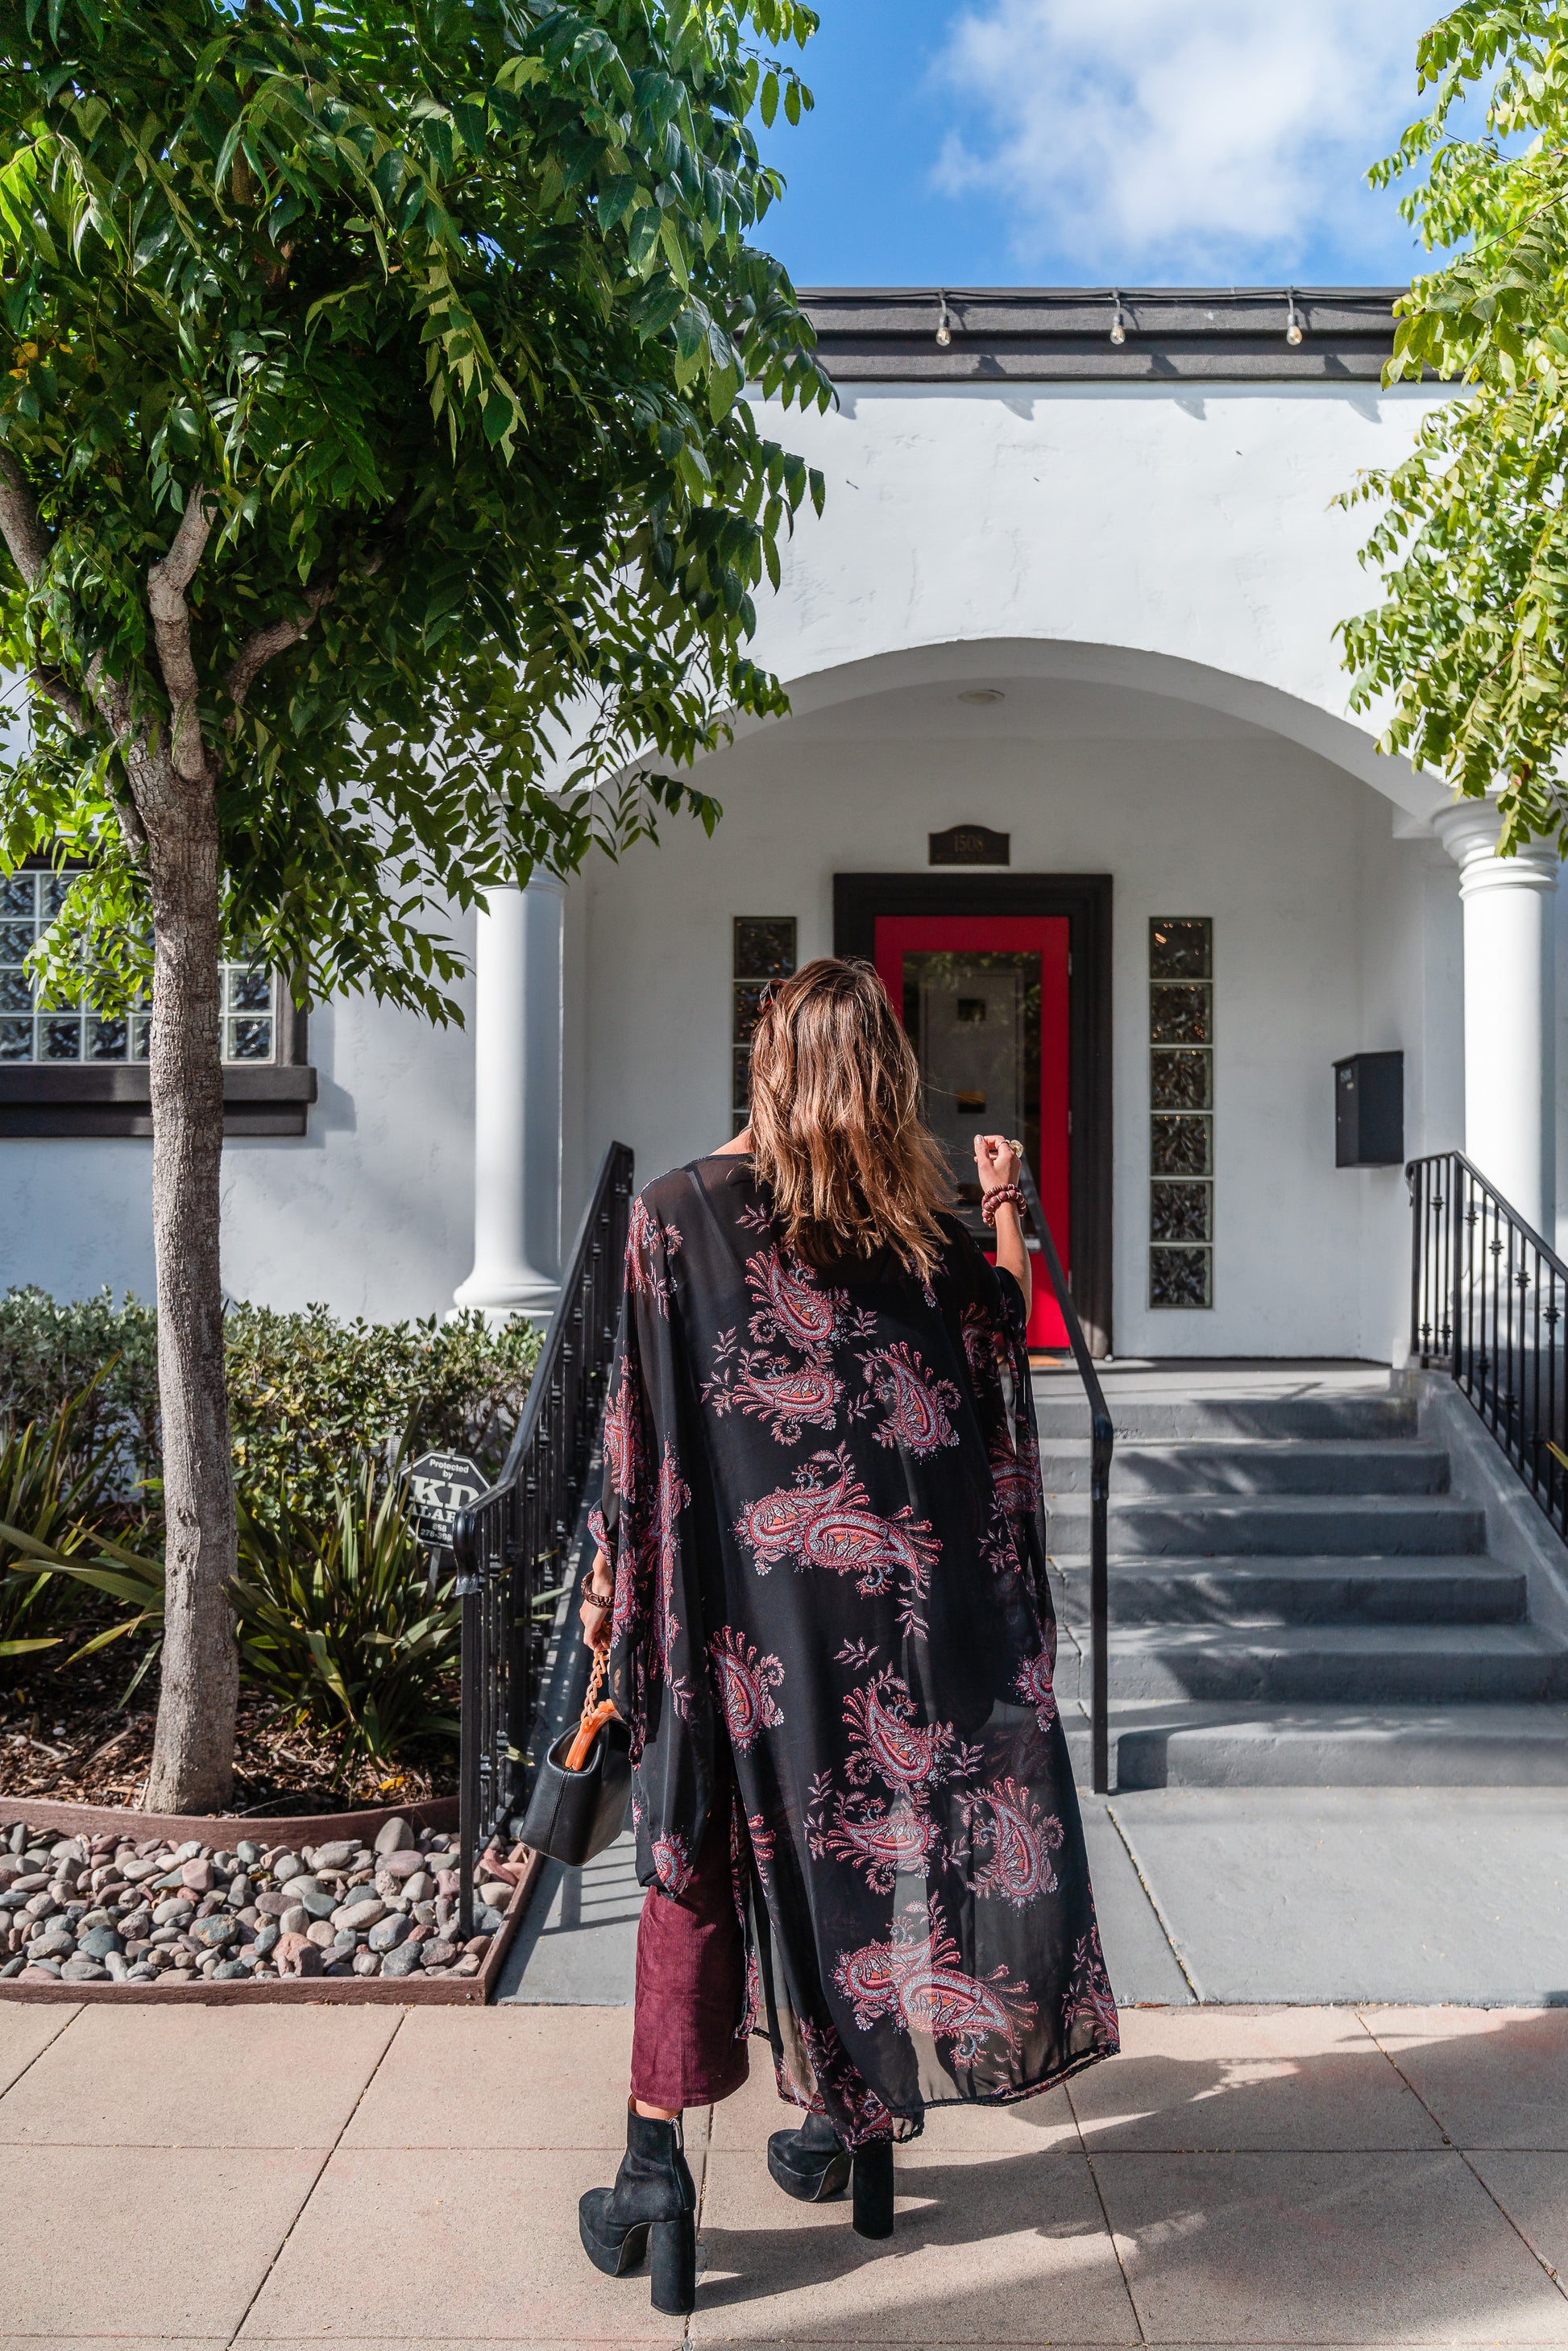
(1253,1465)
(1207,1526)
(1156,1745)
(1062,1412)
(1333,1665)
(1468,1588)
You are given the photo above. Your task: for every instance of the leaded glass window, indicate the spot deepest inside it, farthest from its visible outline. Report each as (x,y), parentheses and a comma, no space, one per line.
(1181,1111)
(30,1032)
(764,950)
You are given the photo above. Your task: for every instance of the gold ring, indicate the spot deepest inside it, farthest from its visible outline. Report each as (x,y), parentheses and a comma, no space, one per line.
(1016,1147)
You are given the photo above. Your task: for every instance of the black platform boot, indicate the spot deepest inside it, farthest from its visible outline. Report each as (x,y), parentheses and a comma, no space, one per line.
(653,2197)
(812,2164)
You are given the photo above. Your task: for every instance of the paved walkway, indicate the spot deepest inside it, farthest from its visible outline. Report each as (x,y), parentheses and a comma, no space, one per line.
(282,2177)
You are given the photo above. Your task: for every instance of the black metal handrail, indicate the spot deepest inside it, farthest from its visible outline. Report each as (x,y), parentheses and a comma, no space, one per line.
(511,1546)
(1487,1298)
(1102,1441)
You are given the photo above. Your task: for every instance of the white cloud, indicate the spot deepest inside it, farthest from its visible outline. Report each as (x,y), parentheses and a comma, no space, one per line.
(1137,133)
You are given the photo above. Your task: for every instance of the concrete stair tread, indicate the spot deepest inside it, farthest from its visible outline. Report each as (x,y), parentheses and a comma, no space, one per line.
(1355,1447)
(1414,1567)
(1224,1418)
(1279,1635)
(1280,1505)
(1463,1587)
(1217,1743)
(1529,1718)
(1172,1470)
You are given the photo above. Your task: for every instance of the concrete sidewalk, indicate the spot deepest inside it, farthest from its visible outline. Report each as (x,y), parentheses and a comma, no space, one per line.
(277,2177)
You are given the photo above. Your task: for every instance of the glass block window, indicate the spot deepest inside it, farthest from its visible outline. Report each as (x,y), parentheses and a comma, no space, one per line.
(1181,1111)
(764,950)
(28,905)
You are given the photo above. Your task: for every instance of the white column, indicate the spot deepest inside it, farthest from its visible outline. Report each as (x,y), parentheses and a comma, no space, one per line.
(518,1101)
(1510,1010)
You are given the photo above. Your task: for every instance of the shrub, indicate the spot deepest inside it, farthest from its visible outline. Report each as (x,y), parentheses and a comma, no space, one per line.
(308,1392)
(306,1389)
(103,1357)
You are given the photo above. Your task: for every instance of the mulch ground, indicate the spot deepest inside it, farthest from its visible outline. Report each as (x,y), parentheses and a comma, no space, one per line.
(65,1735)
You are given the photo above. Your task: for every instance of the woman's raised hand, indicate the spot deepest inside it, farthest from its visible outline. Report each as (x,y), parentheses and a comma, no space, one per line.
(995,1161)
(598,1599)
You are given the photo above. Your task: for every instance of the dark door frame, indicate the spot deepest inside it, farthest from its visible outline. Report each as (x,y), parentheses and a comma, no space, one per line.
(1085,899)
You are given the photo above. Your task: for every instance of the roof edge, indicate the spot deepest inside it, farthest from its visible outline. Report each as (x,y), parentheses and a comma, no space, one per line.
(1092,333)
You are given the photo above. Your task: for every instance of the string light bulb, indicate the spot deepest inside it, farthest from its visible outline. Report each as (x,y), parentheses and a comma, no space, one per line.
(944,322)
(1294,327)
(1118,323)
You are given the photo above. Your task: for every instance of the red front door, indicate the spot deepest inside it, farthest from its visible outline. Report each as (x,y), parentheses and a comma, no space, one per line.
(984,997)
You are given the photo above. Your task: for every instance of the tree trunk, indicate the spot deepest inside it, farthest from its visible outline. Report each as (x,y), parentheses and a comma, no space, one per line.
(193,1754)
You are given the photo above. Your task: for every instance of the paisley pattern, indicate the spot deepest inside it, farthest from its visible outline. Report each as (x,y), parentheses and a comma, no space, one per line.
(915,1403)
(833,1632)
(915,1977)
(825,1519)
(1016,1840)
(745,1686)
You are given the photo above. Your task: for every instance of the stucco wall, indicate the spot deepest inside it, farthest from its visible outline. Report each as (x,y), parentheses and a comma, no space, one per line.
(370,1212)
(1193,525)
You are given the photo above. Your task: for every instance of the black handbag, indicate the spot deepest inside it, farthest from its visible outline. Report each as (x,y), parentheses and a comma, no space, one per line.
(574,1813)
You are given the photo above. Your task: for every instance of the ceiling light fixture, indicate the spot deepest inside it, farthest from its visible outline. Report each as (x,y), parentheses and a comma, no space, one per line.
(1118,323)
(944,322)
(1293,327)
(983,693)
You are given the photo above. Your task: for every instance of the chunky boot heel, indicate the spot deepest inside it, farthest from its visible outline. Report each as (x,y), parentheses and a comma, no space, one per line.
(873,2189)
(810,2163)
(653,2196)
(674,2264)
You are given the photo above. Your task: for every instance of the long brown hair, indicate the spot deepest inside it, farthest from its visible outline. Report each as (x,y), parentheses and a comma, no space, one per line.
(836,1130)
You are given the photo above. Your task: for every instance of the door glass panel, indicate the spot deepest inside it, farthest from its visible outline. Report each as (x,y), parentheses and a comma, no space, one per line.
(976,1020)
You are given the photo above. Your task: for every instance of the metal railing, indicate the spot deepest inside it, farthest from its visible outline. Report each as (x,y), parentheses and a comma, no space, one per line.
(511,1547)
(1102,1441)
(1487,1298)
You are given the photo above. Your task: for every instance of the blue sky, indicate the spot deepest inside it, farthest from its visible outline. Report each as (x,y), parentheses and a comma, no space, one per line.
(975,142)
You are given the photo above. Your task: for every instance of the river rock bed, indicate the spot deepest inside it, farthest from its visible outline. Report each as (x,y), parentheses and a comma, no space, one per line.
(113,1908)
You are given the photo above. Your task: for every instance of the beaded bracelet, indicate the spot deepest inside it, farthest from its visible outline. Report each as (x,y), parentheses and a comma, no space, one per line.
(1000,1198)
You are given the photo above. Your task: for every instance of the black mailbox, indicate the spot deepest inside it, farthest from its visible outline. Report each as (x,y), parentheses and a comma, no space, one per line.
(1369,1111)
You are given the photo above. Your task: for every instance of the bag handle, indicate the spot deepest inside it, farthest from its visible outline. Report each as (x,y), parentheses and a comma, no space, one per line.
(596,1712)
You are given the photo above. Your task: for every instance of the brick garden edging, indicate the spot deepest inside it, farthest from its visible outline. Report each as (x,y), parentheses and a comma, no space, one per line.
(313,1828)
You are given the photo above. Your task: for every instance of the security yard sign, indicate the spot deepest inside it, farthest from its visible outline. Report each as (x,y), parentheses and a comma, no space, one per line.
(441,1484)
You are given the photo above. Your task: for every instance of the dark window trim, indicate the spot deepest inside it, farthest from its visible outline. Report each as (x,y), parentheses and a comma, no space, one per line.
(1085,899)
(50,1100)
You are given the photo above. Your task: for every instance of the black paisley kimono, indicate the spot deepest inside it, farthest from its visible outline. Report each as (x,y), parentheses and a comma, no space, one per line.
(833,1639)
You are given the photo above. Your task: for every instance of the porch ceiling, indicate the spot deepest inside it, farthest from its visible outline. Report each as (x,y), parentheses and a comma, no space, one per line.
(1150,688)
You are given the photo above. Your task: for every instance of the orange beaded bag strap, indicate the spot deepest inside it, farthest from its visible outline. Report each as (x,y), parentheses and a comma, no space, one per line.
(596,1712)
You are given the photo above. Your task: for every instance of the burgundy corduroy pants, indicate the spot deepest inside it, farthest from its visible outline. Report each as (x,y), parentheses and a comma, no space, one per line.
(691,1983)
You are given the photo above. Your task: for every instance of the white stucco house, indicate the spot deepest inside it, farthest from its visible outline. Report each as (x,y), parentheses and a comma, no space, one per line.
(1068,620)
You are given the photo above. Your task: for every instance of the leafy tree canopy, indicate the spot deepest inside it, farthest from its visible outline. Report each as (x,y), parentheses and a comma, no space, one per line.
(1472,641)
(371,395)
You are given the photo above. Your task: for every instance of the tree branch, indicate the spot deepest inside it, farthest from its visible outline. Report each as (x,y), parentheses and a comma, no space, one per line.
(24,533)
(267,643)
(60,695)
(29,544)
(167,582)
